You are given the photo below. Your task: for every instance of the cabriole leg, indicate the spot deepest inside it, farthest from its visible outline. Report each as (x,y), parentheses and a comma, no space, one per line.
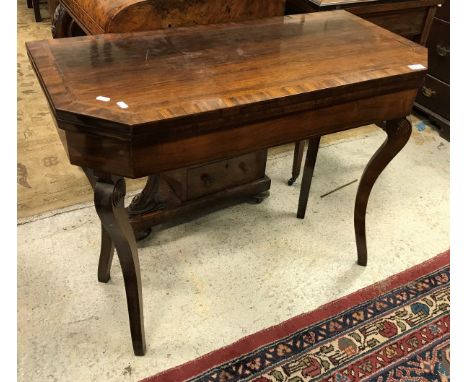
(107,246)
(398,133)
(109,194)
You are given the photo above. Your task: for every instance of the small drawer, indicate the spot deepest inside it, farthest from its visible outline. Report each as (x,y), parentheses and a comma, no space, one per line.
(435,95)
(217,176)
(439,50)
(443,11)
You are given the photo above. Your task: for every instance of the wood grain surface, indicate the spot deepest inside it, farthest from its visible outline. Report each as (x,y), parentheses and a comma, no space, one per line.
(188,72)
(388,3)
(111,16)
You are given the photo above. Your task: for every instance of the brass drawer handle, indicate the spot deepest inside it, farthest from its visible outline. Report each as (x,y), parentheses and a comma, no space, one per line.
(428,92)
(442,50)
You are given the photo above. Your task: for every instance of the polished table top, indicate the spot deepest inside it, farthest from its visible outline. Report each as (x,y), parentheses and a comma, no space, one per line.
(360,3)
(186,74)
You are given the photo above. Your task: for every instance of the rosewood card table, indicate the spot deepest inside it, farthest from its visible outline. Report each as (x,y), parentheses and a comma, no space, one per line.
(137,104)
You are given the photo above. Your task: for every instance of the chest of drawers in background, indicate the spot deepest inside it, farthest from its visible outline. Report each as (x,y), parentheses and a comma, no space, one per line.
(409,18)
(434,97)
(423,21)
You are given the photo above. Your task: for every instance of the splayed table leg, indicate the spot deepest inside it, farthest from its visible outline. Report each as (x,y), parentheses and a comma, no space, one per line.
(398,133)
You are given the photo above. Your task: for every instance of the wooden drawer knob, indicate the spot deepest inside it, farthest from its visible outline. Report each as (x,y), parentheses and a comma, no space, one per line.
(207,180)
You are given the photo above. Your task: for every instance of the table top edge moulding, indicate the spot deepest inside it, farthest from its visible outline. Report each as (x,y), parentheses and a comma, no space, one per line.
(135,113)
(337,4)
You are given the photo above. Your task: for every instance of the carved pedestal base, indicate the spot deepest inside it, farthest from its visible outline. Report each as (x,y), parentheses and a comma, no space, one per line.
(169,210)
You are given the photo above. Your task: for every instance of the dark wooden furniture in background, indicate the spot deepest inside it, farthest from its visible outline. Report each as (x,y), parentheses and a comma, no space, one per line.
(52,7)
(110,16)
(36,6)
(183,193)
(210,93)
(434,97)
(409,18)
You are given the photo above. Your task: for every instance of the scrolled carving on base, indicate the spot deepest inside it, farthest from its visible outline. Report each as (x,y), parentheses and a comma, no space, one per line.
(119,192)
(109,191)
(148,199)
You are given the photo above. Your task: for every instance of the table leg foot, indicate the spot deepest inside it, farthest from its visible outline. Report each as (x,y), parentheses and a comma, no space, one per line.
(297,162)
(291,181)
(109,194)
(307,176)
(398,133)
(141,235)
(259,198)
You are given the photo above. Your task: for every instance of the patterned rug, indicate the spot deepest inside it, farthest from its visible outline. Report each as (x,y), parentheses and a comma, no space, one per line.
(395,330)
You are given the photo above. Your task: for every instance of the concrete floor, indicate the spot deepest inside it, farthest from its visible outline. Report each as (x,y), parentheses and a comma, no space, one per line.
(214,280)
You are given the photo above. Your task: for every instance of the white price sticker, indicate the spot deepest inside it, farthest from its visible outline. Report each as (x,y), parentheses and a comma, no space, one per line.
(417,67)
(103,99)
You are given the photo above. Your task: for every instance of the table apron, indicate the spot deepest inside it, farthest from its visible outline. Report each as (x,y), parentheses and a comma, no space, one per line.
(135,160)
